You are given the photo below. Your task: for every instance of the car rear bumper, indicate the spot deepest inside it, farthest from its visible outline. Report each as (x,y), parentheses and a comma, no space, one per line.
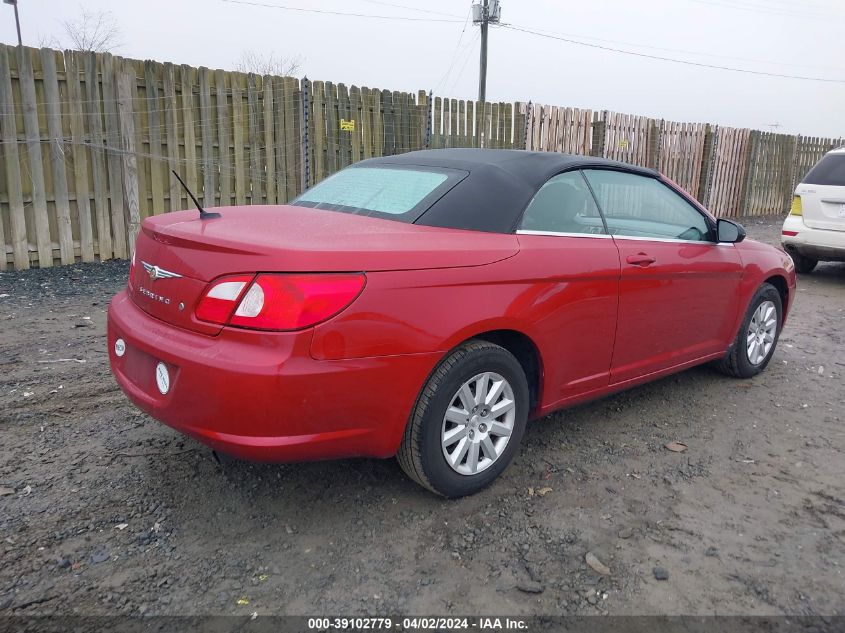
(260,395)
(821,244)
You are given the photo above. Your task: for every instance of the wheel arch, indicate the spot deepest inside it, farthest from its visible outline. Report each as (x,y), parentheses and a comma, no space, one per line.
(782,286)
(525,351)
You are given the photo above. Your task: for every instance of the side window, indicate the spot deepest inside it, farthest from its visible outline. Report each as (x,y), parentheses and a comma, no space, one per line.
(563,205)
(639,206)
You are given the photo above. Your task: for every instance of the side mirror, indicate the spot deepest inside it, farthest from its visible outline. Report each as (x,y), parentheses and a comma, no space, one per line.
(729,231)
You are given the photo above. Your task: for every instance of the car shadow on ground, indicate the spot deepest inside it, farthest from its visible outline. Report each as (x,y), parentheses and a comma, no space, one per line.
(306,490)
(833,272)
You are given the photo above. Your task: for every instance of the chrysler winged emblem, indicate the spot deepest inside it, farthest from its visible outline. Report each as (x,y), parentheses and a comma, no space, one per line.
(158,273)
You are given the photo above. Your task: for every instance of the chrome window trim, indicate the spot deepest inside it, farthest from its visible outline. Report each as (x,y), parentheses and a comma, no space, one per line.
(622,237)
(561,234)
(672,240)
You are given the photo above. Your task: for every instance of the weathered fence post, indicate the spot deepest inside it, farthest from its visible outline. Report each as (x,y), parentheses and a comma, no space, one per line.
(529,122)
(52,107)
(112,131)
(389,119)
(655,132)
(428,100)
(750,171)
(36,167)
(305,118)
(99,171)
(224,127)
(790,183)
(207,145)
(125,92)
(599,135)
(155,125)
(17,218)
(708,156)
(520,124)
(270,175)
(79,155)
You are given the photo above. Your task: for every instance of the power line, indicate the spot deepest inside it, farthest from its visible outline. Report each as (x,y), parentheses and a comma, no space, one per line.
(791,5)
(685,51)
(514,27)
(468,49)
(455,53)
(402,6)
(805,3)
(246,173)
(343,13)
(771,10)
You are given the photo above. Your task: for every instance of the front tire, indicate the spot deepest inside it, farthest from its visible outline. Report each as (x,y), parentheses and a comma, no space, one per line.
(758,335)
(468,421)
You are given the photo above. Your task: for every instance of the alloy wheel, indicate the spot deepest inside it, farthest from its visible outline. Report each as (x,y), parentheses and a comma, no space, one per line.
(478,423)
(761,332)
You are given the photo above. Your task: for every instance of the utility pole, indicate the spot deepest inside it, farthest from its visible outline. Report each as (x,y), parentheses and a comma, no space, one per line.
(482,71)
(14,3)
(485,13)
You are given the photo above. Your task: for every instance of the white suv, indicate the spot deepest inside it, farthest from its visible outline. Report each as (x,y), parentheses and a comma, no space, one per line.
(814,230)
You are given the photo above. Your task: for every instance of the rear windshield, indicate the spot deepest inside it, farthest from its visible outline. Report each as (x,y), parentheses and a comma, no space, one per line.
(389,192)
(830,170)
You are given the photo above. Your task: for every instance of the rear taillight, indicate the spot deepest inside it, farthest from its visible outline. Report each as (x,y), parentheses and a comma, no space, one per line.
(796,208)
(221,298)
(278,301)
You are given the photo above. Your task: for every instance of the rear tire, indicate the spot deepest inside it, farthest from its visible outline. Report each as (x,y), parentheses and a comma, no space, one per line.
(804,265)
(463,411)
(758,335)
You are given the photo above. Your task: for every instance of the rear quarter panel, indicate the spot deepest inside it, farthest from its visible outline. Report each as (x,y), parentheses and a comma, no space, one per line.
(562,298)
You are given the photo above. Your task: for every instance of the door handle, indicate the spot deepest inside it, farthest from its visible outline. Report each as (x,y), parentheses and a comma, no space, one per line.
(640,259)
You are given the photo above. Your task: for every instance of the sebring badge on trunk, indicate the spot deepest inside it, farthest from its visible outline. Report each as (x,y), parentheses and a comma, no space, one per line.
(154,296)
(157,273)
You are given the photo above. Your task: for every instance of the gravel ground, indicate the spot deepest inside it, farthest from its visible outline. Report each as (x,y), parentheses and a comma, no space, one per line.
(104,511)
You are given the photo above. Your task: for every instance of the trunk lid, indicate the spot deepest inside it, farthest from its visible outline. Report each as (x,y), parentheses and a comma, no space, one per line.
(823,193)
(163,286)
(186,253)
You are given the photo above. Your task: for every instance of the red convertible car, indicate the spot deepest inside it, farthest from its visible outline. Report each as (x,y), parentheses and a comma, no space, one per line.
(427,305)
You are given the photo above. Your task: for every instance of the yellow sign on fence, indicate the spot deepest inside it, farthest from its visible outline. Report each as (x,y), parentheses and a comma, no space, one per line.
(347,126)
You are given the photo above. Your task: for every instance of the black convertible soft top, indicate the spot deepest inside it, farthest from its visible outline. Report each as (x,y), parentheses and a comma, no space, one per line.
(500,184)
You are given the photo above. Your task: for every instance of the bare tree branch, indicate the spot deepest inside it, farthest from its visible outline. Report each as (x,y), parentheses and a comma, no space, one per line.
(269,64)
(49,41)
(94,31)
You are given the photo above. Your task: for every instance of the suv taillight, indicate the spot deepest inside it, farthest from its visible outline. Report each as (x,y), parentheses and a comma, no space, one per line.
(272,301)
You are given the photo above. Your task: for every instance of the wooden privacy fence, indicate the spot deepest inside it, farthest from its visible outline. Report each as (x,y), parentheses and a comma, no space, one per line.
(457,123)
(733,172)
(89,141)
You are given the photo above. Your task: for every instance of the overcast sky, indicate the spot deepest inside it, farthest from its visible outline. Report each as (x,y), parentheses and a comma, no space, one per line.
(775,36)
